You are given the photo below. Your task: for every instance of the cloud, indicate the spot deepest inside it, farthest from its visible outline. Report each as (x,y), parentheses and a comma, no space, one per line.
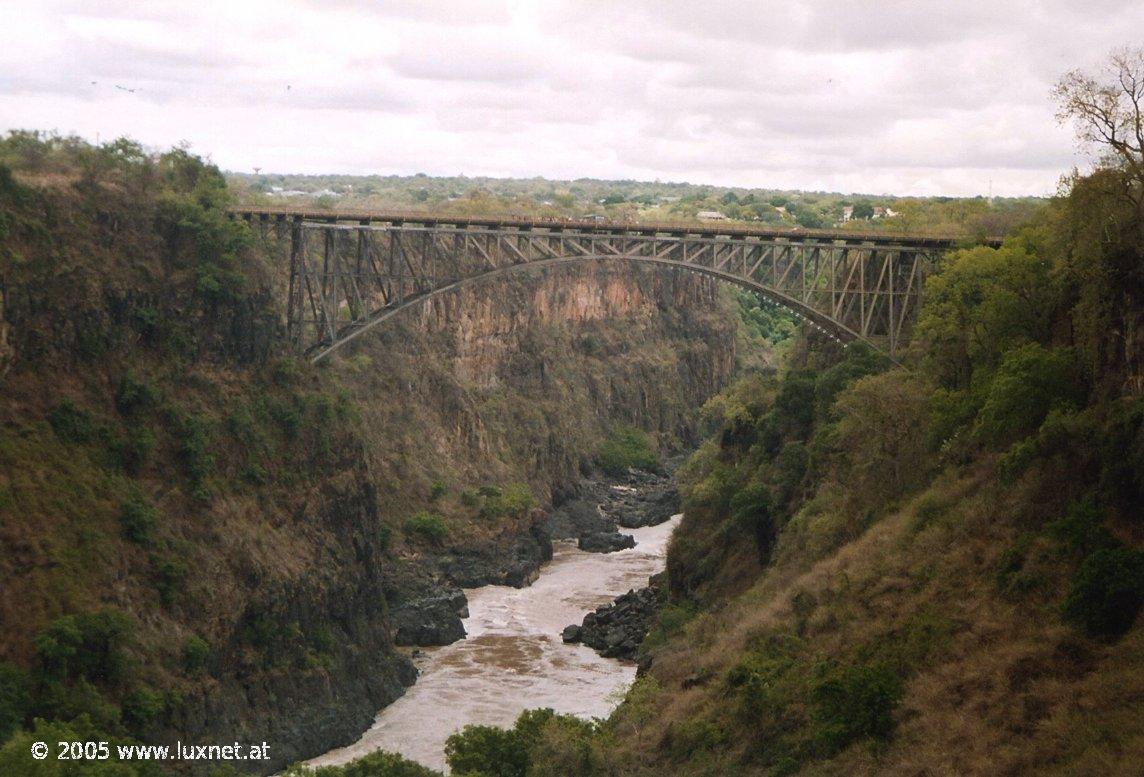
(905,96)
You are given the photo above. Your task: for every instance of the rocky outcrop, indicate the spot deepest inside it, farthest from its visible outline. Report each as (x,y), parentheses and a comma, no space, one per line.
(616,630)
(582,513)
(514,560)
(644,498)
(605,542)
(433,618)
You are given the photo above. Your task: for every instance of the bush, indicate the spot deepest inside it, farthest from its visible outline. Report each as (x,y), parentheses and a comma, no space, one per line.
(428,525)
(196,653)
(437,490)
(134,395)
(856,702)
(198,462)
(1107,592)
(138,518)
(72,423)
(376,764)
(13,698)
(89,645)
(1031,381)
(751,514)
(1082,531)
(626,448)
(516,499)
(489,751)
(142,707)
(171,574)
(134,451)
(14,758)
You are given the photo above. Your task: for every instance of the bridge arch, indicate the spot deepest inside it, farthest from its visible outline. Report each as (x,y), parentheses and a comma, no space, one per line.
(322,350)
(350,272)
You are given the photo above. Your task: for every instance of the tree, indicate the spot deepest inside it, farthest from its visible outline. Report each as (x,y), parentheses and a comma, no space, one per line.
(1106,111)
(863,210)
(982,302)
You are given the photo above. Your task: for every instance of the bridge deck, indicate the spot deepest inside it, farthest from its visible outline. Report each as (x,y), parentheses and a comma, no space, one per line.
(796,235)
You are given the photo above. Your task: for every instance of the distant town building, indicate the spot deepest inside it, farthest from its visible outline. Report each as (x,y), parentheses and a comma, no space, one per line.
(710,215)
(847,213)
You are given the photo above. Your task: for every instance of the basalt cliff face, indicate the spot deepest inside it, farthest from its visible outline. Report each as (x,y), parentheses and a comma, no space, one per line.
(245,521)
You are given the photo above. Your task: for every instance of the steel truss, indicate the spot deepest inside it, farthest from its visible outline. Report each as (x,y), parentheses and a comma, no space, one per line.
(348,278)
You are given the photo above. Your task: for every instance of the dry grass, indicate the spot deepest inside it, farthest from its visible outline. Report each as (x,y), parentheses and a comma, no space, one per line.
(1011,690)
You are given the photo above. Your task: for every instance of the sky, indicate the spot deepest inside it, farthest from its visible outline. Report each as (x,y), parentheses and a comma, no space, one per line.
(906,97)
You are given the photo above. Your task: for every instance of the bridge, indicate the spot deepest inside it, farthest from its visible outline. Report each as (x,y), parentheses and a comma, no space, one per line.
(350,271)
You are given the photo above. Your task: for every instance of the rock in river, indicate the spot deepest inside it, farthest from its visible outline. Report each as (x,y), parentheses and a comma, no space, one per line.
(606,542)
(616,630)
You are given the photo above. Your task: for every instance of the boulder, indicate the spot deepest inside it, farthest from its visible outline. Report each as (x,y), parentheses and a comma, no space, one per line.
(616,630)
(605,542)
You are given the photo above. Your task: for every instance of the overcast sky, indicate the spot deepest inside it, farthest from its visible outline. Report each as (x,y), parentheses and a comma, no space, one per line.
(910,97)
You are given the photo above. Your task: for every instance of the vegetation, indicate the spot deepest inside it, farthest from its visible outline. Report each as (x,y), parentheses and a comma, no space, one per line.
(430,526)
(637,201)
(627,448)
(540,742)
(377,764)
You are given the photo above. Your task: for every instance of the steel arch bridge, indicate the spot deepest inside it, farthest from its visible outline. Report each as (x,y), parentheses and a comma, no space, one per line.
(350,272)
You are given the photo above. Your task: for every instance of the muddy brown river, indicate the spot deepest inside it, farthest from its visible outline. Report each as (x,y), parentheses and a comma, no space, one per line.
(513,658)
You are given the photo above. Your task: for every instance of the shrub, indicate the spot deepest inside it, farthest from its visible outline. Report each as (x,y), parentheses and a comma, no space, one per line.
(72,423)
(13,698)
(134,395)
(751,514)
(171,574)
(141,707)
(437,490)
(384,536)
(487,751)
(376,764)
(196,653)
(856,702)
(287,371)
(1031,381)
(671,620)
(134,451)
(794,405)
(1081,531)
(89,645)
(14,758)
(627,447)
(1107,592)
(515,500)
(198,462)
(470,499)
(428,525)
(138,518)
(490,751)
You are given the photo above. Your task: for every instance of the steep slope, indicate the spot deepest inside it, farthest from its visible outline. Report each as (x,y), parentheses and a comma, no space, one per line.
(200,534)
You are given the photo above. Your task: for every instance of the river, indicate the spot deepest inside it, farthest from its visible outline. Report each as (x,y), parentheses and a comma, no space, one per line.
(513,658)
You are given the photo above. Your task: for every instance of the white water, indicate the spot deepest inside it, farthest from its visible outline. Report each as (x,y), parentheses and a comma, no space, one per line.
(513,658)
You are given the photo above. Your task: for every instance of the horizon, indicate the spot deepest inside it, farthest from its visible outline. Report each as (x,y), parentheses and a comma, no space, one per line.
(917,99)
(634,181)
